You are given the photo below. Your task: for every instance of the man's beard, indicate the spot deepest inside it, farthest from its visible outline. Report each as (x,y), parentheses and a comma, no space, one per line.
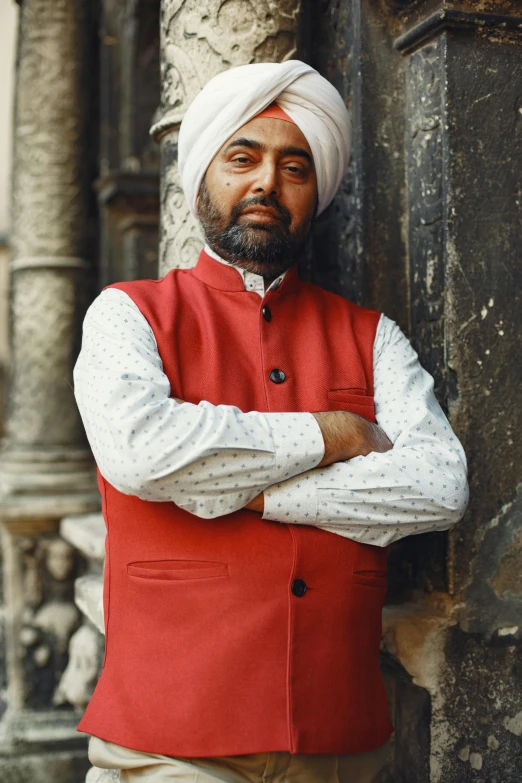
(266,249)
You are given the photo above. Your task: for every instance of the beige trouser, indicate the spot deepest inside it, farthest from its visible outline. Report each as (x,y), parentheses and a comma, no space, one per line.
(255,768)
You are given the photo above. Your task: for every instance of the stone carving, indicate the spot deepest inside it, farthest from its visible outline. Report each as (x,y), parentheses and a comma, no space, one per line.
(58,620)
(42,408)
(200,40)
(59,559)
(42,614)
(79,678)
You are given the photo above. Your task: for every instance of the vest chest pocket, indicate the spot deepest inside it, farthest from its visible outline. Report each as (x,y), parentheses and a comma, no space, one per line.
(352,400)
(177,570)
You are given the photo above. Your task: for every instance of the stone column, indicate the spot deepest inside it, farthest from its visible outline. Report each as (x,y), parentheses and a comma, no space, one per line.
(45,466)
(199,40)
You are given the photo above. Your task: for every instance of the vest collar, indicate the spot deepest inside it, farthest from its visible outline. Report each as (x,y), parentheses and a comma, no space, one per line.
(226,277)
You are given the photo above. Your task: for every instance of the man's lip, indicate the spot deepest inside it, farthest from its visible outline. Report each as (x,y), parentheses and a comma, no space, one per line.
(262,212)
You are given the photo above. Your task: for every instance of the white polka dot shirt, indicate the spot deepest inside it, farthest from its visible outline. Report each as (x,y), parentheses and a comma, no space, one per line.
(212,460)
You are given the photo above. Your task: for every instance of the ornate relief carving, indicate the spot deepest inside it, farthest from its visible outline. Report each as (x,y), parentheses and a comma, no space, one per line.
(180,236)
(200,40)
(41,614)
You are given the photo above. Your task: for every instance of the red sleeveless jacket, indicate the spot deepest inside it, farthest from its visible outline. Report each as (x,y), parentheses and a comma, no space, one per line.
(208,650)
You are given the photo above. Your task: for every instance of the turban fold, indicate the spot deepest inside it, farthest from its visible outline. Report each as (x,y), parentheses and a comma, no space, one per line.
(234,97)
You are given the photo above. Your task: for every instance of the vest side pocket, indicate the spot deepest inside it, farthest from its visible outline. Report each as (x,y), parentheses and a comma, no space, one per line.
(176,570)
(371,578)
(370,566)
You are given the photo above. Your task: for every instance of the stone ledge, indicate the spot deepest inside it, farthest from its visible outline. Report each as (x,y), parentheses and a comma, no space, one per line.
(49,765)
(86,533)
(37,728)
(88,596)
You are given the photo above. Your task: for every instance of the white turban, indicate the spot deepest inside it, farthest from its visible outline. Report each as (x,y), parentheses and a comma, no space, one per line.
(234,97)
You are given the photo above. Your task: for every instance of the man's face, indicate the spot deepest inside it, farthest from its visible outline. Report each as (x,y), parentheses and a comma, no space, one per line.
(259,197)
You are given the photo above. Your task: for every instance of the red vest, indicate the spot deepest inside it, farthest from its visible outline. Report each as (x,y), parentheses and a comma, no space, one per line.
(213,654)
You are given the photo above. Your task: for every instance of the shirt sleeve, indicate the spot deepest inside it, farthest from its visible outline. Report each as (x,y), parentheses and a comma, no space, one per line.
(418,486)
(208,459)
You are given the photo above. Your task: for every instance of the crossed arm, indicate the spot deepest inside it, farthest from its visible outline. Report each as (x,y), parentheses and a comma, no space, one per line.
(339,472)
(345,435)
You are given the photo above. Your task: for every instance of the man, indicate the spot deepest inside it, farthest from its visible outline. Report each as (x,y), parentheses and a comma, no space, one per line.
(243,423)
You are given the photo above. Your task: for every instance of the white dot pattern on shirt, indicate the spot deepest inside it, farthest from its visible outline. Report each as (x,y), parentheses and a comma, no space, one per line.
(210,460)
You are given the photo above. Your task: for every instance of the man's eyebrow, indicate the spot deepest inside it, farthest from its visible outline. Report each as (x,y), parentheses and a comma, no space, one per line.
(243,142)
(297,152)
(258,145)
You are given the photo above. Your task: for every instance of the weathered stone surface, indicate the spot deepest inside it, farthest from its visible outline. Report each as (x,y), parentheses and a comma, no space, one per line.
(481,687)
(86,533)
(492,599)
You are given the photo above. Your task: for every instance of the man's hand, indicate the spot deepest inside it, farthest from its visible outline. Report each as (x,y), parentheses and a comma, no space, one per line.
(257,504)
(347,435)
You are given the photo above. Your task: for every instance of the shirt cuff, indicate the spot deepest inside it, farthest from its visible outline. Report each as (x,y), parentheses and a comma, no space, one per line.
(293,501)
(298,441)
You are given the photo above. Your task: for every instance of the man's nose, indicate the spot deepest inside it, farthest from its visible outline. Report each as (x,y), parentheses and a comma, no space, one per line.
(267,180)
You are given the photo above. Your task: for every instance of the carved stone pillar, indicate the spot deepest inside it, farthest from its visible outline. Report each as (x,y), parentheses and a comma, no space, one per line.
(45,466)
(199,40)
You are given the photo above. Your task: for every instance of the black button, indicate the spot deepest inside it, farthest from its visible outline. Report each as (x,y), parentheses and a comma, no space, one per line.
(277,376)
(299,587)
(267,313)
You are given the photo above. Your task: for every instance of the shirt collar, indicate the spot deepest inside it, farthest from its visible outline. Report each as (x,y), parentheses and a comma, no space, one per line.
(251,281)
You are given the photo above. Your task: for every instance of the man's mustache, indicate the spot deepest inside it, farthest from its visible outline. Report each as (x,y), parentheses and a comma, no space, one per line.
(263,201)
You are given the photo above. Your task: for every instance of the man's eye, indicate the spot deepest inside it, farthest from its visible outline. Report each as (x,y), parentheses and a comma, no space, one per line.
(295,170)
(242,159)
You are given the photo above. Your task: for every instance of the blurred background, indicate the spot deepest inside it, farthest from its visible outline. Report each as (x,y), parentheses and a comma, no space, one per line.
(426,227)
